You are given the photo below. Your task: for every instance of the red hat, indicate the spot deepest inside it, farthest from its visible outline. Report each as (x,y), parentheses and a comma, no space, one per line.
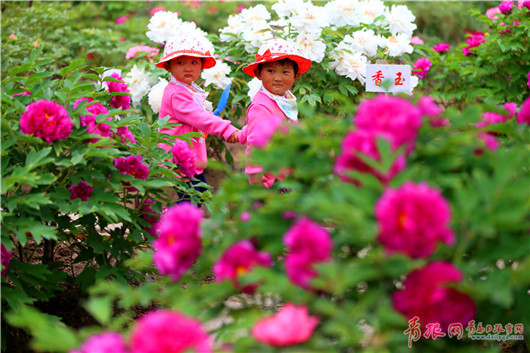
(274,50)
(198,47)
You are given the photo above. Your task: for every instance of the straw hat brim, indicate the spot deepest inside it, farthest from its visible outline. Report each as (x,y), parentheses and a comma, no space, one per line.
(303,63)
(208,61)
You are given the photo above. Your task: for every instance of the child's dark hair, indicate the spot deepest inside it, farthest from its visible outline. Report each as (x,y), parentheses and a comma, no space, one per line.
(284,61)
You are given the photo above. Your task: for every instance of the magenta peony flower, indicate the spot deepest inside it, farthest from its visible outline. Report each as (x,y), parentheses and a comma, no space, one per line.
(473,41)
(412,219)
(46,120)
(156,9)
(5,259)
(491,142)
(391,117)
(171,332)
(81,191)
(245,216)
(90,120)
(142,49)
(119,101)
(416,40)
(421,66)
(307,243)
(506,6)
(363,142)
(132,165)
(525,4)
(290,325)
(425,295)
(122,19)
(184,158)
(240,258)
(523,117)
(493,13)
(148,215)
(25,93)
(107,342)
(429,109)
(178,243)
(528,76)
(489,118)
(125,134)
(441,47)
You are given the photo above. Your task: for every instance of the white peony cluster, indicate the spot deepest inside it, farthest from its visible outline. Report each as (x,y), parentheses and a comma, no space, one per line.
(139,82)
(165,24)
(348,63)
(156,94)
(218,75)
(250,24)
(254,86)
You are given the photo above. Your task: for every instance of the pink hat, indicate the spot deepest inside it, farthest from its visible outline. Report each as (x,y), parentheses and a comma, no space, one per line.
(198,47)
(274,50)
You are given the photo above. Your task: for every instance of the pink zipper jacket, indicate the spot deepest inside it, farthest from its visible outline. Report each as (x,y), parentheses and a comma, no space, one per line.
(263,119)
(179,104)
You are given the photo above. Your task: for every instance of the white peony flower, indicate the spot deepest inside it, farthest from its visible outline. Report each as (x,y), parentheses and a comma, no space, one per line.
(255,36)
(309,18)
(217,75)
(286,8)
(369,10)
(163,25)
(256,13)
(139,83)
(156,94)
(253,87)
(235,26)
(190,29)
(342,13)
(399,19)
(311,48)
(349,64)
(364,41)
(396,45)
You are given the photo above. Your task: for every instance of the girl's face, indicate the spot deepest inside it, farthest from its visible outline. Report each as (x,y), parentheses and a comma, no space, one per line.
(185,69)
(276,77)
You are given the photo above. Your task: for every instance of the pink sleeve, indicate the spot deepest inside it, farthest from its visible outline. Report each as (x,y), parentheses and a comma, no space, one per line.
(191,113)
(242,135)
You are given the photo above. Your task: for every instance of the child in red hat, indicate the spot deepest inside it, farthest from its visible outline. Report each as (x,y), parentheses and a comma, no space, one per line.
(184,101)
(278,66)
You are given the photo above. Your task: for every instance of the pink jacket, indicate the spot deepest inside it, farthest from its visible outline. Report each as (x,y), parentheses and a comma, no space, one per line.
(263,119)
(179,104)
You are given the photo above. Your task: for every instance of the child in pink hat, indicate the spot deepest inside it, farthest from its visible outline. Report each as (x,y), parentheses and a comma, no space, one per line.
(278,66)
(184,101)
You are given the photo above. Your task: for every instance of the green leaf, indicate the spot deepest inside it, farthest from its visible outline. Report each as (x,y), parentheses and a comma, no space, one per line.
(100,308)
(75,65)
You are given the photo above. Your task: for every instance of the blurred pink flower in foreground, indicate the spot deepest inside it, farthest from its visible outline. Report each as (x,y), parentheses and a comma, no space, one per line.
(421,66)
(142,49)
(523,117)
(184,158)
(120,20)
(290,325)
(238,259)
(412,219)
(171,332)
(5,259)
(425,294)
(308,243)
(493,13)
(491,142)
(132,165)
(178,243)
(81,191)
(441,47)
(47,120)
(107,342)
(489,118)
(36,43)
(506,6)
(416,40)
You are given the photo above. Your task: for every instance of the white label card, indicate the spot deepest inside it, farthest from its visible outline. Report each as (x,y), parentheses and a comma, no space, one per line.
(387,78)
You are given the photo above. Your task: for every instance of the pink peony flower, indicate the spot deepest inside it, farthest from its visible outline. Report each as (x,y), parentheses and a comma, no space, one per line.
(245,216)
(81,191)
(491,142)
(178,243)
(412,219)
(90,120)
(119,101)
(142,49)
(125,134)
(505,7)
(511,108)
(421,66)
(416,40)
(489,118)
(238,259)
(148,215)
(171,332)
(156,9)
(12,36)
(184,158)
(493,13)
(525,3)
(392,117)
(429,109)
(107,342)
(5,256)
(290,325)
(120,20)
(240,8)
(307,243)
(476,39)
(132,165)
(523,117)
(441,47)
(36,43)
(363,142)
(426,296)
(47,120)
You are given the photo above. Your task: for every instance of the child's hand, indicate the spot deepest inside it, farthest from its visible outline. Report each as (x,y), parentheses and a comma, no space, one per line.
(233,138)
